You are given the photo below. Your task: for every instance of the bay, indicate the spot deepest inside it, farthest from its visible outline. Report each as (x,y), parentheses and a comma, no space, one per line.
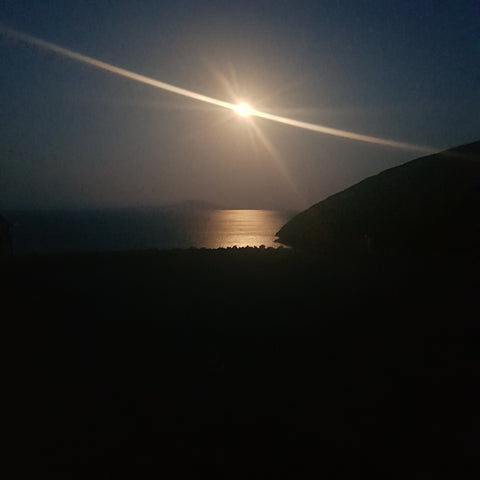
(132,229)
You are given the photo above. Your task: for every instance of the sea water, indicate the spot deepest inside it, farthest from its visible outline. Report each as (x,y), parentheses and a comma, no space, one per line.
(131,229)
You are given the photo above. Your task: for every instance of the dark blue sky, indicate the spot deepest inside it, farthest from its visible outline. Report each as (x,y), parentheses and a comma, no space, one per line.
(71,135)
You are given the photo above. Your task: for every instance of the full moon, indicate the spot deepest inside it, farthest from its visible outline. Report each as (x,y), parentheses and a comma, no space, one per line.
(243,109)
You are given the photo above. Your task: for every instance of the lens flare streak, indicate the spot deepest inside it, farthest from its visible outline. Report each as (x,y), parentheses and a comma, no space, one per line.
(342,133)
(239,109)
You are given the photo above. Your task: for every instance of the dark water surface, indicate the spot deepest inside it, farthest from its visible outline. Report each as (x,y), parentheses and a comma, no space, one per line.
(46,232)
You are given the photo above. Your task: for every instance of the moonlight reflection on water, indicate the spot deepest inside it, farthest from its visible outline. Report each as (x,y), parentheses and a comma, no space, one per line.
(242,228)
(137,229)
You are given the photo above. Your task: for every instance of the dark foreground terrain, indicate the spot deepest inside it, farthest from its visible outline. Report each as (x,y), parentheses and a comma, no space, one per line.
(242,364)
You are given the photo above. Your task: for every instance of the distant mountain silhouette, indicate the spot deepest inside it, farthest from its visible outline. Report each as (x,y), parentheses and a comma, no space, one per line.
(431,203)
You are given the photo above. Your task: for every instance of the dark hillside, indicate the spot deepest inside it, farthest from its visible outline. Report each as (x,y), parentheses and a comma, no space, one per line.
(431,203)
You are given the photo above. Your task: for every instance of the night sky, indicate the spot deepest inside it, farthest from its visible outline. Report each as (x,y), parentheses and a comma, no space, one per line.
(74,136)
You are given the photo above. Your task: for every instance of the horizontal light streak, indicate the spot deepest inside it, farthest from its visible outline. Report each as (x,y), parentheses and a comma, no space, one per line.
(112,68)
(29,39)
(341,133)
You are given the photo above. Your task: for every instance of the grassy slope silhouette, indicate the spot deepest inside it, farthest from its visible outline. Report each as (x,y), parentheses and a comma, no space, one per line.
(430,203)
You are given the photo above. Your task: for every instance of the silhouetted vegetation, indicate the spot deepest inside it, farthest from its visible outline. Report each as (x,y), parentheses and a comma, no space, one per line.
(5,237)
(242,363)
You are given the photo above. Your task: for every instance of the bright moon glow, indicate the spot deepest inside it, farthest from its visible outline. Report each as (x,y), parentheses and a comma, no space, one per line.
(242,109)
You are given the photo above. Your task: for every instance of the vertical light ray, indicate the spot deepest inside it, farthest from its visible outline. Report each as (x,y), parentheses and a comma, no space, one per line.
(275,156)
